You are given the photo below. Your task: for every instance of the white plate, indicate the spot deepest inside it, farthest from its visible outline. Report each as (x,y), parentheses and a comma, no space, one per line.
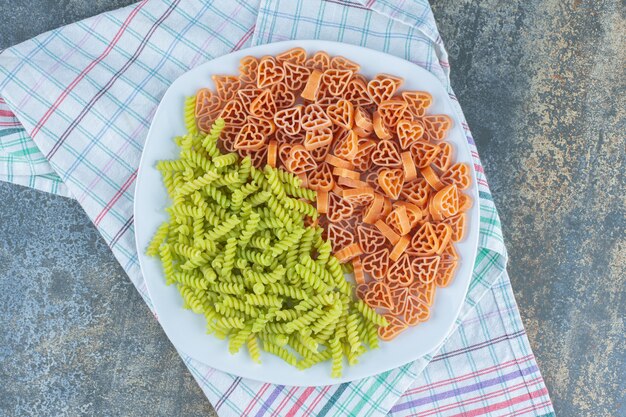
(186,330)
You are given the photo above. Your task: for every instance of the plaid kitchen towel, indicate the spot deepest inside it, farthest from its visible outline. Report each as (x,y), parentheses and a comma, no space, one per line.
(75,107)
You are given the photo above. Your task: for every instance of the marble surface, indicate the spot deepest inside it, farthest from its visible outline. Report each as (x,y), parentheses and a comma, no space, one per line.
(542,86)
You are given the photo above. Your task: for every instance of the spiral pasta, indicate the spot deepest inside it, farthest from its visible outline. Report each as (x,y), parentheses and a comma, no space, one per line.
(237,249)
(190,115)
(191,280)
(281,352)
(158,238)
(253,348)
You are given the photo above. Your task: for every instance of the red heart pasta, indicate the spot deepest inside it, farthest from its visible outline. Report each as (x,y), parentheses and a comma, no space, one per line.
(389,194)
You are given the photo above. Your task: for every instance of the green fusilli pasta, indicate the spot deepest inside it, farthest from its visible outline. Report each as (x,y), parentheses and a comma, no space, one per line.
(238,251)
(158,238)
(190,115)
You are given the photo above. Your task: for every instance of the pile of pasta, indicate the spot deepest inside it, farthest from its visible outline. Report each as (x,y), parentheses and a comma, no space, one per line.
(389,194)
(241,250)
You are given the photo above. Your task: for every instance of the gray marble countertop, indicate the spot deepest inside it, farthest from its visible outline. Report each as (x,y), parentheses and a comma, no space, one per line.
(542,86)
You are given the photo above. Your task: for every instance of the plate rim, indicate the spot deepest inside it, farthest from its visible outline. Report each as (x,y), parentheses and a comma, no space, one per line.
(311,44)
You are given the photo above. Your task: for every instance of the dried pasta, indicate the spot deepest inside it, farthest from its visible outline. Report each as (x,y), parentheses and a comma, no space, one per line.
(241,251)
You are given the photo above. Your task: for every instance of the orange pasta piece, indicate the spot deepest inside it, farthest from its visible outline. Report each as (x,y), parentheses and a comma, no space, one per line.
(249,138)
(322,202)
(379,296)
(459,175)
(408,166)
(400,273)
(226,86)
(339,236)
(425,241)
(431,178)
(346,173)
(359,196)
(362,160)
(336,80)
(359,275)
(248,68)
(376,264)
(436,126)
(393,329)
(247,96)
(347,146)
(409,132)
(417,102)
(387,231)
(294,55)
(399,248)
(400,296)
(207,103)
(386,154)
(356,93)
(269,72)
(443,159)
(362,122)
(396,80)
(379,127)
(446,202)
(272,151)
(233,114)
(264,105)
(413,212)
(352,183)
(391,111)
(266,127)
(321,179)
(314,118)
(338,208)
(289,120)
(415,311)
(349,252)
(312,86)
(398,219)
(339,62)
(300,160)
(391,180)
(370,238)
(444,235)
(319,61)
(424,153)
(373,211)
(416,192)
(283,96)
(296,76)
(341,113)
(465,202)
(318,138)
(425,268)
(382,88)
(338,162)
(425,293)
